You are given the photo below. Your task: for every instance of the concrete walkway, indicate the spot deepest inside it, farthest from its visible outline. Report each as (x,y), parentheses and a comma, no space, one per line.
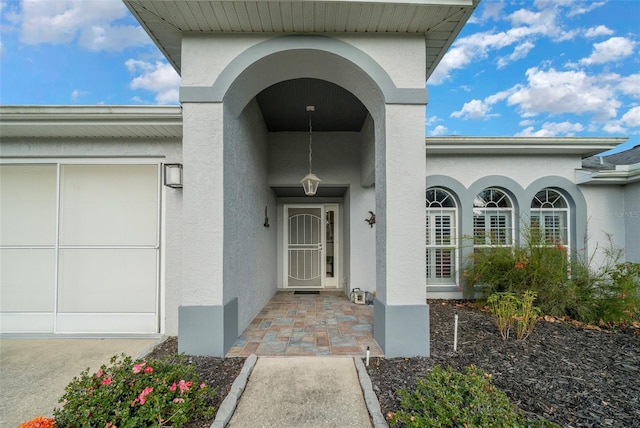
(302,392)
(34,372)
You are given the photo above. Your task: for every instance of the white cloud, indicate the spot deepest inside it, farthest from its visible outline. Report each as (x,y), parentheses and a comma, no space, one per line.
(630,85)
(77,94)
(552,129)
(614,49)
(519,52)
(159,78)
(474,109)
(92,23)
(558,92)
(527,27)
(632,118)
(439,130)
(600,30)
(629,120)
(582,7)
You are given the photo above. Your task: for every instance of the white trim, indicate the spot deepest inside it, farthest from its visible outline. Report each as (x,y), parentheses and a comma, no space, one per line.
(121,323)
(27,322)
(83,161)
(519,145)
(337,247)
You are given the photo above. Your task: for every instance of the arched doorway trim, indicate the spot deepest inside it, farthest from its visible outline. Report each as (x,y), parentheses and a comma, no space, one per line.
(315,46)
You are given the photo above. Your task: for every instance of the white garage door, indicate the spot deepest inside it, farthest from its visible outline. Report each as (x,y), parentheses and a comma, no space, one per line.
(79,248)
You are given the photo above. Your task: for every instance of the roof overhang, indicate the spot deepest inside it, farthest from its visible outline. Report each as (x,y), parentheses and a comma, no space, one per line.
(582,147)
(115,122)
(623,174)
(439,21)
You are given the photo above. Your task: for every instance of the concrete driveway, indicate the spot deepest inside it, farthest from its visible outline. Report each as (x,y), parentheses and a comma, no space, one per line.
(34,372)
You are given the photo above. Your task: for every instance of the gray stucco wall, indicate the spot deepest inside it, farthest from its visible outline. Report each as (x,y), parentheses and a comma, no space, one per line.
(632,221)
(249,247)
(336,161)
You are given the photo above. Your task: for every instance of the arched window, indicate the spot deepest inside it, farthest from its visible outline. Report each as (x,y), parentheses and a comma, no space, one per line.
(442,241)
(492,219)
(549,217)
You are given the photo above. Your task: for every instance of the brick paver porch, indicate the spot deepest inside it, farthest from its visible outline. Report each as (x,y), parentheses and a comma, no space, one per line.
(307,325)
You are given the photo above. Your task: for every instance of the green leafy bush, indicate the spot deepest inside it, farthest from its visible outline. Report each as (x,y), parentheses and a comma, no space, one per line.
(134,394)
(618,294)
(564,284)
(448,398)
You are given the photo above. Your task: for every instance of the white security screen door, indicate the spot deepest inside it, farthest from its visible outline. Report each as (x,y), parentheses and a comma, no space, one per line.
(305,261)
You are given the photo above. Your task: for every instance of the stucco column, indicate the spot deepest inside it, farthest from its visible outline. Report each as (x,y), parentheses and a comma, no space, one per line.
(201,321)
(401,324)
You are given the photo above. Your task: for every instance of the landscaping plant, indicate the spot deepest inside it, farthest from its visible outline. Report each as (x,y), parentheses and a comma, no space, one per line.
(527,315)
(508,310)
(503,308)
(565,285)
(134,394)
(38,422)
(448,398)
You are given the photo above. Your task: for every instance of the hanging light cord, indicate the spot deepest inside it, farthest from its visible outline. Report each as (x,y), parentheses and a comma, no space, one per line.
(310,142)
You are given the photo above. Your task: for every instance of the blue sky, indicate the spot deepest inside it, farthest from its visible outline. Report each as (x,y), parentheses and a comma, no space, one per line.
(518,68)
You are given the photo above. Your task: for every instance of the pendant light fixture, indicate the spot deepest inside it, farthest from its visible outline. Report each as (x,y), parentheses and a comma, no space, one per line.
(310,181)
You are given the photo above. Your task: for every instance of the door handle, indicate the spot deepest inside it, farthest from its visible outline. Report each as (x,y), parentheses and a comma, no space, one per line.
(320,246)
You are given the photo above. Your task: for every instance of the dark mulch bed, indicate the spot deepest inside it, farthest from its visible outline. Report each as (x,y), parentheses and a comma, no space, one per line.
(217,372)
(573,376)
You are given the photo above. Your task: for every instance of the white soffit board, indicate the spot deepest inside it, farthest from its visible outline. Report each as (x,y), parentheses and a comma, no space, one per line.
(91,122)
(439,21)
(583,147)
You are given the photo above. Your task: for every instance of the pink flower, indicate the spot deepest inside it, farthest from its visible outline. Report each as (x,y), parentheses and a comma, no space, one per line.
(202,385)
(142,398)
(173,387)
(107,381)
(184,386)
(137,368)
(99,373)
(148,369)
(178,400)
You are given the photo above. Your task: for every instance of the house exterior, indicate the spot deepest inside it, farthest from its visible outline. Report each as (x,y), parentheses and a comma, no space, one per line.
(93,242)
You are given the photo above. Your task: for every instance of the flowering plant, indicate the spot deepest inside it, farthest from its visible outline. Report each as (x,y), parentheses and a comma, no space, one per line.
(133,394)
(38,422)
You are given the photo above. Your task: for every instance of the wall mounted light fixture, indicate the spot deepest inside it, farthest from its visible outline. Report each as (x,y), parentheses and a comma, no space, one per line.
(173,175)
(310,181)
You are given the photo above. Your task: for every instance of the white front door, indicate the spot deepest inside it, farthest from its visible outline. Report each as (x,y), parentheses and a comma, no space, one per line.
(310,237)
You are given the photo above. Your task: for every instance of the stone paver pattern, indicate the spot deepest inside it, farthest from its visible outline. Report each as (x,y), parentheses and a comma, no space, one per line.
(322,324)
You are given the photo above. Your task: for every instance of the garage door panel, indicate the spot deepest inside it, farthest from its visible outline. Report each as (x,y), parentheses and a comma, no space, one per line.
(108,280)
(28,280)
(112,323)
(28,201)
(109,205)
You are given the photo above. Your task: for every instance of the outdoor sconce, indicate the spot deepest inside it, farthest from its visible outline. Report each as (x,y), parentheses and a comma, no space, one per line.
(173,175)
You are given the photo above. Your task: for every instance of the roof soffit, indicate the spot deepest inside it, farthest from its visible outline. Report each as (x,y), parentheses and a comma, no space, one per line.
(127,122)
(579,146)
(439,21)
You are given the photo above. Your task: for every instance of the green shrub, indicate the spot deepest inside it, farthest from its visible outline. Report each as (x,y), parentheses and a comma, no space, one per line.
(134,394)
(448,398)
(564,284)
(618,294)
(503,308)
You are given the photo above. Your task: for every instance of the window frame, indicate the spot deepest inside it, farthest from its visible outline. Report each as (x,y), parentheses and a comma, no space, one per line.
(437,243)
(492,209)
(548,209)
